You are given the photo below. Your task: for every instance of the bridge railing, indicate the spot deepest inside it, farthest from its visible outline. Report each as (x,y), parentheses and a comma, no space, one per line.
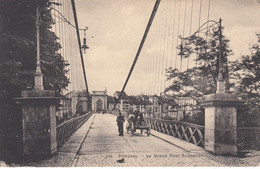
(66,129)
(189,132)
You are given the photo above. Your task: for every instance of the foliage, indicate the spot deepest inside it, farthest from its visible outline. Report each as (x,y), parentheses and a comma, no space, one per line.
(200,80)
(246,74)
(18,58)
(79,107)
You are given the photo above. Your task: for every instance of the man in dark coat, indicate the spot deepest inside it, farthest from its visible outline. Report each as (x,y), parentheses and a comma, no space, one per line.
(120,123)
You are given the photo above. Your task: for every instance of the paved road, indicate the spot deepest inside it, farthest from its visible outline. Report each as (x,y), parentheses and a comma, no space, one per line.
(101,146)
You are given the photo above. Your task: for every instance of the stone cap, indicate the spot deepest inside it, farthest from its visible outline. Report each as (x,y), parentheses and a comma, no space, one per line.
(222,99)
(37,97)
(38,93)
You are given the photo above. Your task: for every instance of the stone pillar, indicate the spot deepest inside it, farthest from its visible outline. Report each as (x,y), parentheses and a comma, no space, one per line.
(39,123)
(221,123)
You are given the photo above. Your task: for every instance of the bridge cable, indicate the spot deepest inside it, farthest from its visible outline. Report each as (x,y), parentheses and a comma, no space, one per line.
(156,37)
(146,66)
(198,32)
(164,50)
(172,41)
(208,20)
(162,45)
(149,65)
(79,45)
(64,18)
(146,60)
(66,43)
(140,47)
(168,44)
(167,47)
(190,30)
(183,29)
(177,34)
(157,55)
(159,50)
(152,63)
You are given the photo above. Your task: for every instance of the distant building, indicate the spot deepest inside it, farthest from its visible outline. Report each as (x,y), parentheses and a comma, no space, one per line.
(186,106)
(172,109)
(111,101)
(123,103)
(79,102)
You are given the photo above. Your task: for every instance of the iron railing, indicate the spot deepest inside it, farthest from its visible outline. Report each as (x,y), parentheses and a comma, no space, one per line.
(189,132)
(66,129)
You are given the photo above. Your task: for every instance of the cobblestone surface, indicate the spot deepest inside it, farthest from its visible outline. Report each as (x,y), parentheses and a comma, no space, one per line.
(103,148)
(146,160)
(59,160)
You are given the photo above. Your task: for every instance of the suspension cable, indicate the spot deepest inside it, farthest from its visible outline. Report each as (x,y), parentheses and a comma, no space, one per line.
(160,48)
(156,37)
(198,32)
(164,50)
(79,44)
(172,41)
(208,20)
(149,65)
(167,47)
(183,34)
(140,47)
(177,34)
(188,59)
(173,33)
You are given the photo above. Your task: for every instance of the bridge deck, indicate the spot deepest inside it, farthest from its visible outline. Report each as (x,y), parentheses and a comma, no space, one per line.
(97,143)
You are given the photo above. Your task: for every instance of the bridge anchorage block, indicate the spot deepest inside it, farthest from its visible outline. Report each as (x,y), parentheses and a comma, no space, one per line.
(38,124)
(221,123)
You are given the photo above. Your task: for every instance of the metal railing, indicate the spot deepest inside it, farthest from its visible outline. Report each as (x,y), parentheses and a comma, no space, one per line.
(66,129)
(189,132)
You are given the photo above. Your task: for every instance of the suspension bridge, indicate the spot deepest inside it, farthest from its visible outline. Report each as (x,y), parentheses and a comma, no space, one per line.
(81,130)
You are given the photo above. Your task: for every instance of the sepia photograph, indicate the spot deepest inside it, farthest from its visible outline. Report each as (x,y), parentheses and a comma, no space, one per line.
(129,83)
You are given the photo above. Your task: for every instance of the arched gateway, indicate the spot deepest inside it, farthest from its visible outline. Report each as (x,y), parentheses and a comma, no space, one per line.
(99,101)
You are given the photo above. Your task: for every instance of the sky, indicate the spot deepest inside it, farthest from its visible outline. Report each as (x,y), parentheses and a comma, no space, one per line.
(116,27)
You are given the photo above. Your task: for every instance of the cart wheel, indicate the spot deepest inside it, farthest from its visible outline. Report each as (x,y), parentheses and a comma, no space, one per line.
(148,133)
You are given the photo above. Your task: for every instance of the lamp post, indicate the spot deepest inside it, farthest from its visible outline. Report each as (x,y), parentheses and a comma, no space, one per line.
(38,78)
(220,131)
(215,27)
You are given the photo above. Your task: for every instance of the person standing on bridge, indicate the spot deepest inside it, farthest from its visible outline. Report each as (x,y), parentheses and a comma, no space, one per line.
(120,123)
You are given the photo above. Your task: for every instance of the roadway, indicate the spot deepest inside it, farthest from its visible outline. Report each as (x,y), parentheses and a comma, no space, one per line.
(97,144)
(103,147)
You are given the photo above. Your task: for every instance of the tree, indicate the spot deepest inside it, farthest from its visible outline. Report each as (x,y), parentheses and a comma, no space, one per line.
(202,79)
(246,74)
(18,62)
